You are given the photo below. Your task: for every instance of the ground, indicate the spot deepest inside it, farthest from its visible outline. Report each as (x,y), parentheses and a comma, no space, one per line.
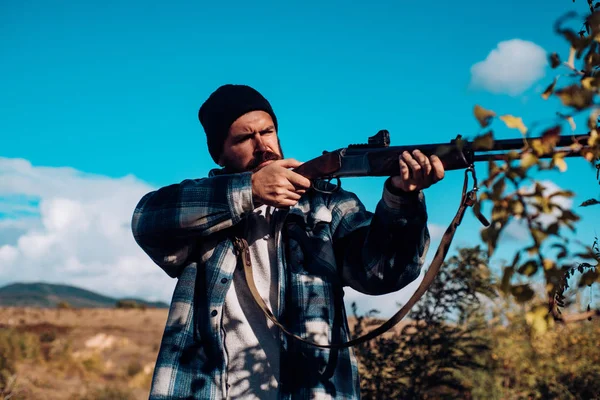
(80,353)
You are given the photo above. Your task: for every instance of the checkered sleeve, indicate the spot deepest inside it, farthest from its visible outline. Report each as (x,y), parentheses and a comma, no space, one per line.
(167,223)
(384,251)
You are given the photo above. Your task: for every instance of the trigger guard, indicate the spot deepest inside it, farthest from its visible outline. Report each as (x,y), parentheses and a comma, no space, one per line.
(337,187)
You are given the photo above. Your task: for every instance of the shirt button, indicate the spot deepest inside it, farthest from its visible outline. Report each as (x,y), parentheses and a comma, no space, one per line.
(224,280)
(214,313)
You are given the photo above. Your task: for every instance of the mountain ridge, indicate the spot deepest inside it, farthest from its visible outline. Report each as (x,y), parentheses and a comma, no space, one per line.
(49,295)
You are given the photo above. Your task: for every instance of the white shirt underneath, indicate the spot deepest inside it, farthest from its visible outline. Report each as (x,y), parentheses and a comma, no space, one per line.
(251,340)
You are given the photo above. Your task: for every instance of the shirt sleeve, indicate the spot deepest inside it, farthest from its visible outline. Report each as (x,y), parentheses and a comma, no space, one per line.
(384,251)
(168,222)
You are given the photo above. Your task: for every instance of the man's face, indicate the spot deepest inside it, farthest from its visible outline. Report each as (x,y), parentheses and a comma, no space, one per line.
(251,143)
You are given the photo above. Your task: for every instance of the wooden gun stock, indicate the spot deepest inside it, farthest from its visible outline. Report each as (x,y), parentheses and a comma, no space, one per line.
(323,166)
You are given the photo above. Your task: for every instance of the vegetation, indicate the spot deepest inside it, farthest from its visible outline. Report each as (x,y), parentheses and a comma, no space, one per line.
(469,339)
(522,333)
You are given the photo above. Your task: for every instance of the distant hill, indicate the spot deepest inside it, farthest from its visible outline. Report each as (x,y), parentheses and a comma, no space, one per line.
(49,295)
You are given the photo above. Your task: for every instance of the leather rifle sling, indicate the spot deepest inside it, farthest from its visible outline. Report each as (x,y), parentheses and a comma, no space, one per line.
(467,200)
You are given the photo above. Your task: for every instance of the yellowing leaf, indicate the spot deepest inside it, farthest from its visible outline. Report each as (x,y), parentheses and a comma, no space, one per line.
(588,155)
(586,83)
(571,61)
(576,96)
(514,123)
(550,137)
(559,162)
(572,122)
(483,116)
(528,159)
(517,208)
(592,120)
(539,320)
(548,264)
(593,138)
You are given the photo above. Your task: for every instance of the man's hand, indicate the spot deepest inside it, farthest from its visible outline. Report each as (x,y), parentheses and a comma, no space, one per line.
(276,185)
(418,172)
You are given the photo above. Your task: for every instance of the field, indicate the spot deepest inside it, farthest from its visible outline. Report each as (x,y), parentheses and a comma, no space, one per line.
(79,354)
(102,354)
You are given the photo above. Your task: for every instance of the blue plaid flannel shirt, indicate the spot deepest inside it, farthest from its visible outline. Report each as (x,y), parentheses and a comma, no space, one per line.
(326,242)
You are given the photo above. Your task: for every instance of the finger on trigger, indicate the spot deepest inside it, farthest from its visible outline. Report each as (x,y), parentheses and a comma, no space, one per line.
(299,181)
(293,195)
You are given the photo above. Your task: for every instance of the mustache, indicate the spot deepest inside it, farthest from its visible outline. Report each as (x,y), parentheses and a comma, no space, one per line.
(261,158)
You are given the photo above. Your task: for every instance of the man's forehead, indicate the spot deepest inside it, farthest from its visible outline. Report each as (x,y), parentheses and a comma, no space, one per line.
(251,121)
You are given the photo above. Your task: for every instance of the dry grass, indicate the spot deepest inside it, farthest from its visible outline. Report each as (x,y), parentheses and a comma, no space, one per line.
(79,354)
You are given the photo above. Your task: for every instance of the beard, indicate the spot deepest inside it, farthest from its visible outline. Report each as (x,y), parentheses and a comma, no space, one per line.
(261,158)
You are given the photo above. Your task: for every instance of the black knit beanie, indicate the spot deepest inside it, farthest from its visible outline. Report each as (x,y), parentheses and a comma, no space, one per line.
(223,107)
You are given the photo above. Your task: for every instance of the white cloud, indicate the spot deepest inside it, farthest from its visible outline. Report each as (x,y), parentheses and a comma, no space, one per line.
(436,231)
(511,68)
(387,304)
(76,231)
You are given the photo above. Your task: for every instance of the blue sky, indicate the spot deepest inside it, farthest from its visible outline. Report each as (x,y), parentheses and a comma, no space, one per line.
(108,92)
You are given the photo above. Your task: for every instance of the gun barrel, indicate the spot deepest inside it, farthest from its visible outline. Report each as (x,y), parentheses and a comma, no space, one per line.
(515,144)
(502,156)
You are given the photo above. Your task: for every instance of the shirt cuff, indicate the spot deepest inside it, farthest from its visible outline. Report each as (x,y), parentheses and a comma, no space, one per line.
(240,195)
(396,198)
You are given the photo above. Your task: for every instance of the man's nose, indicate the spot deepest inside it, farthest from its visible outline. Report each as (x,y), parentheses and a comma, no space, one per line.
(259,143)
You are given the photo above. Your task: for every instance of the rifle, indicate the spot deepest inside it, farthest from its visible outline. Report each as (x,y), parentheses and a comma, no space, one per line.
(378,158)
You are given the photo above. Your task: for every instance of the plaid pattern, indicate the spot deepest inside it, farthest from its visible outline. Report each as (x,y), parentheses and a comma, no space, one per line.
(325,242)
